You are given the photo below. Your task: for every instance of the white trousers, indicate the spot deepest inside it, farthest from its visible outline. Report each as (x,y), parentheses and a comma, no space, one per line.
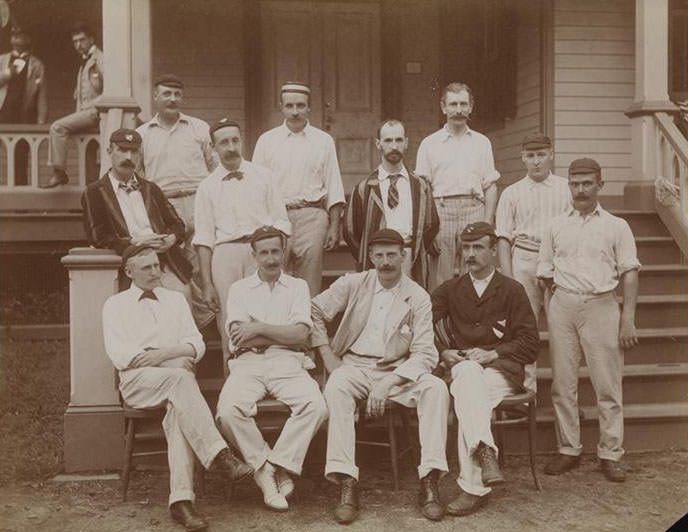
(476,391)
(524,267)
(350,383)
(251,378)
(306,244)
(586,325)
(188,425)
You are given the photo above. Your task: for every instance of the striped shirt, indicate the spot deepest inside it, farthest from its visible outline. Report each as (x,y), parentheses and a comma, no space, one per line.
(526,208)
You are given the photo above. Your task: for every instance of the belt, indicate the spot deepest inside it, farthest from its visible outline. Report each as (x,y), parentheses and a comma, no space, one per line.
(318,204)
(526,249)
(585,294)
(179,193)
(458,196)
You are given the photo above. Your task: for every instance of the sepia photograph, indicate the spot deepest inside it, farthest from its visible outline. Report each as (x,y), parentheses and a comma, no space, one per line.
(315,265)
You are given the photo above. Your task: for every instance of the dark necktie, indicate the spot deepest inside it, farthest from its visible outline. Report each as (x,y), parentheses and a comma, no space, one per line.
(234,175)
(393,192)
(148,294)
(129,186)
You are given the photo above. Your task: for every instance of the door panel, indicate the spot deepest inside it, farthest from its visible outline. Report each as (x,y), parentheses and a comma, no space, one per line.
(335,48)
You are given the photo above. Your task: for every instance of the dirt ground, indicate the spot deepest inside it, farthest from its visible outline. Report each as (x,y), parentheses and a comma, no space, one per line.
(653,498)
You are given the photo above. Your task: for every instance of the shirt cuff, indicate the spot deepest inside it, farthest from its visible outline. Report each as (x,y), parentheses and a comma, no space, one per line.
(410,371)
(203,240)
(545,272)
(628,266)
(319,339)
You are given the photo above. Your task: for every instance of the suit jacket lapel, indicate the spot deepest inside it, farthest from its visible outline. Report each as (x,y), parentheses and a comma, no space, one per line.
(113,205)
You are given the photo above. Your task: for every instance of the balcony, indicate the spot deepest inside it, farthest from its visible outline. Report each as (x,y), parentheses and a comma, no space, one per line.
(32,215)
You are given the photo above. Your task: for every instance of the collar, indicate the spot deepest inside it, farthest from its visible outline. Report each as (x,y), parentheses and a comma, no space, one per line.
(136,292)
(486,280)
(287,132)
(532,183)
(597,211)
(115,182)
(222,169)
(394,290)
(89,53)
(448,134)
(23,55)
(155,121)
(383,174)
(254,281)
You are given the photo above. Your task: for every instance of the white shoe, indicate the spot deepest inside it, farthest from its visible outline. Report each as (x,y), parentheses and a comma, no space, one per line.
(285,484)
(265,479)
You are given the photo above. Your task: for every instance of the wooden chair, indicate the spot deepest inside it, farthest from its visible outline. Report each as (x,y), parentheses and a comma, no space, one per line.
(393,411)
(510,412)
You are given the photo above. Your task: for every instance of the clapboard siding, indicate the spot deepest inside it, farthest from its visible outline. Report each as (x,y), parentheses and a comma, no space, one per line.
(202,43)
(506,140)
(594,84)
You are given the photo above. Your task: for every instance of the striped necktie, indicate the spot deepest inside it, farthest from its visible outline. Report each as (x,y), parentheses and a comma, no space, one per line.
(393,192)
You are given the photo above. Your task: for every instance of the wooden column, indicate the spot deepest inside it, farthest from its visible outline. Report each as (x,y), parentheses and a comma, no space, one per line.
(93,423)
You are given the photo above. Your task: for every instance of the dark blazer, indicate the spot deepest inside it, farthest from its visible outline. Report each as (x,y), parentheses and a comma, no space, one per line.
(501,319)
(106,228)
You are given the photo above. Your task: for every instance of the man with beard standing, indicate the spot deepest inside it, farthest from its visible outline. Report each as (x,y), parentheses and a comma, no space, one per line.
(393,197)
(121,209)
(236,198)
(304,161)
(458,163)
(177,155)
(585,254)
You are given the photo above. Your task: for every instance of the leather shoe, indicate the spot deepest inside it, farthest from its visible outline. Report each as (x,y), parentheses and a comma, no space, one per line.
(612,470)
(347,509)
(492,476)
(466,504)
(429,497)
(58,178)
(266,481)
(226,461)
(285,484)
(185,514)
(561,464)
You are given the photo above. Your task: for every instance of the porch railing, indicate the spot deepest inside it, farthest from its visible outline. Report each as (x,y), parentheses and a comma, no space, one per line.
(671,184)
(23,168)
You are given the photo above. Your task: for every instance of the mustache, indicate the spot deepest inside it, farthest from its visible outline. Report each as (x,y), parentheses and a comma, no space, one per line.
(231,154)
(386,268)
(127,164)
(580,197)
(461,115)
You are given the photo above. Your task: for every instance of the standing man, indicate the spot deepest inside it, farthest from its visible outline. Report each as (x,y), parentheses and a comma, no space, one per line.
(236,198)
(486,332)
(152,340)
(459,164)
(177,156)
(23,95)
(524,210)
(393,197)
(384,349)
(121,209)
(89,85)
(304,161)
(585,254)
(269,322)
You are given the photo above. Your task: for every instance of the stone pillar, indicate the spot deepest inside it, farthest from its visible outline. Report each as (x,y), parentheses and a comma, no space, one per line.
(93,423)
(117,105)
(651,87)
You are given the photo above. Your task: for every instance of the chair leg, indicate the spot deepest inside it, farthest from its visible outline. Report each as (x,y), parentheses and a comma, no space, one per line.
(499,439)
(128,450)
(410,437)
(532,434)
(393,449)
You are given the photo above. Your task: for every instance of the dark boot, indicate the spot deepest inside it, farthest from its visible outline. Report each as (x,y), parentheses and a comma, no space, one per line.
(347,509)
(612,470)
(58,178)
(487,457)
(226,462)
(466,504)
(429,497)
(561,464)
(184,513)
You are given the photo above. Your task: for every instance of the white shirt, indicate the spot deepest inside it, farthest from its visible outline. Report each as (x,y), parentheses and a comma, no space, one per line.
(305,164)
(371,341)
(526,207)
(400,218)
(131,325)
(457,164)
(480,285)
(133,209)
(227,210)
(251,299)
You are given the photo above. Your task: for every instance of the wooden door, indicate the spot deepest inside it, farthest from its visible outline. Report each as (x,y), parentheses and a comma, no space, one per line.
(335,48)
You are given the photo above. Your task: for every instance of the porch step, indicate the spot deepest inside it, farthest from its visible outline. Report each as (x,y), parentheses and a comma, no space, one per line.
(661,279)
(657,250)
(642,222)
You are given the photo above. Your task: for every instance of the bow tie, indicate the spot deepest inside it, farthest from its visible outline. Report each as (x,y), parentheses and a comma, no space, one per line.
(130,186)
(148,294)
(238,175)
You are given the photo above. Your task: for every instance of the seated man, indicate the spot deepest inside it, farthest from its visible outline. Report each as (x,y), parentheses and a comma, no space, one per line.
(385,347)
(268,323)
(486,334)
(153,342)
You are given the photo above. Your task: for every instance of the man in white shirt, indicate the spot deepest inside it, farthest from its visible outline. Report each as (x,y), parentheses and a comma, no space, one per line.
(304,161)
(269,322)
(383,350)
(459,164)
(152,340)
(177,155)
(525,209)
(393,197)
(231,203)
